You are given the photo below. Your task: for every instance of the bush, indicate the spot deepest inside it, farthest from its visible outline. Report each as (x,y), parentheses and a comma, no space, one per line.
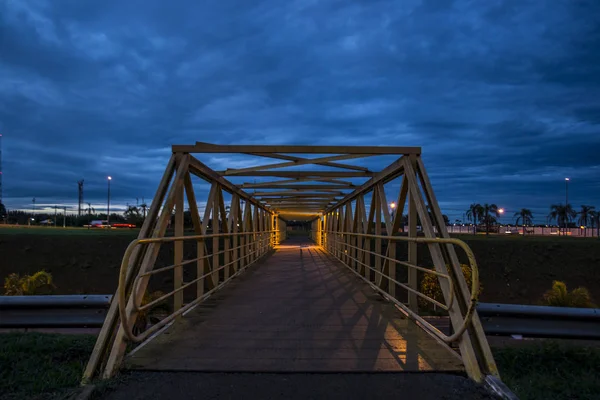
(28,285)
(430,286)
(559,296)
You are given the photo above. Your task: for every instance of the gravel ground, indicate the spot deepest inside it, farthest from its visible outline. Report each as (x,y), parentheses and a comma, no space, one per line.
(197,385)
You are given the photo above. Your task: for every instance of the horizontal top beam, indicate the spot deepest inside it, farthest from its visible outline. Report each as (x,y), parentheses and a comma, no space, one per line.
(201,147)
(308,187)
(308,174)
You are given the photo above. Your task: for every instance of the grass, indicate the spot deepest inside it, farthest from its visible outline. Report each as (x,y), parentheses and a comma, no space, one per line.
(60,231)
(50,366)
(551,371)
(42,366)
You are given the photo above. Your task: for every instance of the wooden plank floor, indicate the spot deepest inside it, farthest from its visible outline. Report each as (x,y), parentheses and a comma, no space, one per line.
(297,311)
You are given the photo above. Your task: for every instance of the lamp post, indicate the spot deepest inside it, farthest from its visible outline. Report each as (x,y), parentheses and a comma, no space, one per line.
(33,217)
(566,203)
(108,204)
(500,211)
(393,208)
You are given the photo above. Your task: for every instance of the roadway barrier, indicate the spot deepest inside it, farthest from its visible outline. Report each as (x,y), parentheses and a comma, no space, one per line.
(540,321)
(89,311)
(68,311)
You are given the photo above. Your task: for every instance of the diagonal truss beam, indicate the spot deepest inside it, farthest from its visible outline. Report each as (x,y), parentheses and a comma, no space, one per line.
(303,161)
(324,163)
(249,185)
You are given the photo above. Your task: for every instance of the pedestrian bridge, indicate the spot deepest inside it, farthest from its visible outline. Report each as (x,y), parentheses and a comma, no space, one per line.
(245,295)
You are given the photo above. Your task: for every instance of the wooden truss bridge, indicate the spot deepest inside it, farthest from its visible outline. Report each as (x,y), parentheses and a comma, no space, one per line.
(236,294)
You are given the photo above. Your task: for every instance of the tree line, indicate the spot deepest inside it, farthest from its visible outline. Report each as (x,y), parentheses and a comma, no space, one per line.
(563,215)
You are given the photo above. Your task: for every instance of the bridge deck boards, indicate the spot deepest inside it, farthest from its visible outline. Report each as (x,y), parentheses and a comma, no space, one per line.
(298,311)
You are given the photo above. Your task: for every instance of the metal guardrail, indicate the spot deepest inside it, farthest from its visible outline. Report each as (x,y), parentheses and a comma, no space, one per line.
(540,321)
(89,311)
(68,311)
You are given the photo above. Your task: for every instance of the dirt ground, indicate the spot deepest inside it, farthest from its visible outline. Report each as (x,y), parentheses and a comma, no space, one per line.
(512,270)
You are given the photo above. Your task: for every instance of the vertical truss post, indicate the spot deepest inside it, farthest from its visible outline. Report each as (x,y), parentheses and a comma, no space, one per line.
(200,262)
(178,250)
(412,246)
(389,266)
(216,229)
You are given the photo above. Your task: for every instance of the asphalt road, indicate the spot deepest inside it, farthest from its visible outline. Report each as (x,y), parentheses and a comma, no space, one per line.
(198,385)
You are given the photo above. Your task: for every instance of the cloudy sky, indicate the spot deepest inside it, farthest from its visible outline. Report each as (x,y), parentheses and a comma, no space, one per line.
(503,96)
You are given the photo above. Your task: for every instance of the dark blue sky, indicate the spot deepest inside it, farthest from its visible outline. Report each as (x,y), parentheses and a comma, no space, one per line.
(503,96)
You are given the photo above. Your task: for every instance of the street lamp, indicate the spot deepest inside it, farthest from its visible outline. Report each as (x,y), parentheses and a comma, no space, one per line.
(108,203)
(392,207)
(500,211)
(566,202)
(33,216)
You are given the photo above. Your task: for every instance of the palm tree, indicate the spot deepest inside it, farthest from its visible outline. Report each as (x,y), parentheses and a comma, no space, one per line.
(132,214)
(525,216)
(593,216)
(595,221)
(475,212)
(143,207)
(490,214)
(585,216)
(562,214)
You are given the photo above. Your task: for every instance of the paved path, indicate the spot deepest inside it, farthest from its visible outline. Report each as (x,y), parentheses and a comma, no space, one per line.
(205,386)
(298,311)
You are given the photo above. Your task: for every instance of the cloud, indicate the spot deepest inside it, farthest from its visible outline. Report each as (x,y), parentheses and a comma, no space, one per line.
(501,95)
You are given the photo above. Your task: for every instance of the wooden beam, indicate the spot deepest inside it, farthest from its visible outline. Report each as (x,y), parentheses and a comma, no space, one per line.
(178,248)
(390,172)
(467,350)
(119,346)
(478,335)
(304,161)
(201,147)
(301,200)
(310,187)
(297,192)
(201,170)
(299,196)
(307,174)
(249,185)
(324,163)
(102,346)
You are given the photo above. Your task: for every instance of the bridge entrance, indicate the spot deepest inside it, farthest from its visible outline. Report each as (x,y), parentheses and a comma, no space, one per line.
(246,294)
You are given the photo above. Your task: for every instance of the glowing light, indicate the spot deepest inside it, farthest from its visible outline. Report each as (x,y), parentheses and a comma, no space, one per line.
(567,179)
(110,178)
(501,210)
(392,205)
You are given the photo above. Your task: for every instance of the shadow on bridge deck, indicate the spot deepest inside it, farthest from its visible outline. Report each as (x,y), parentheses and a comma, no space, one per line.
(299,310)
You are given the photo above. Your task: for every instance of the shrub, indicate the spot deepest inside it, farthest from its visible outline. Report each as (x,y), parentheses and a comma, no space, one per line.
(430,286)
(28,285)
(559,296)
